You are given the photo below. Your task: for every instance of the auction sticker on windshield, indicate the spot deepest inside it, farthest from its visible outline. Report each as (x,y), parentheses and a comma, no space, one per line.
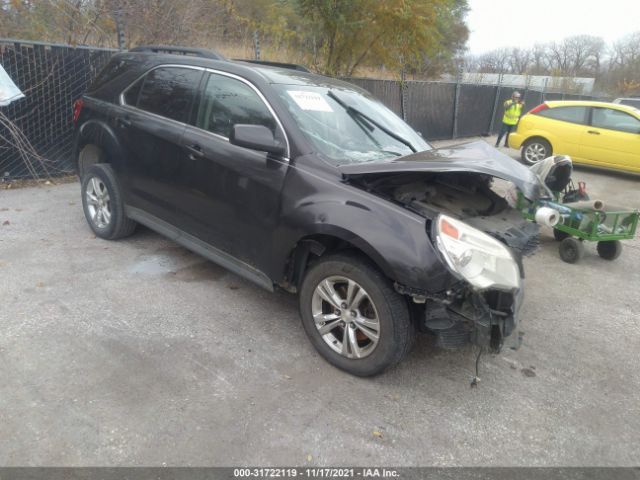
(310,101)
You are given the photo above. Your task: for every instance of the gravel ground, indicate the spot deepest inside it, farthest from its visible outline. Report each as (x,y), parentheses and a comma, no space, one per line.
(138,352)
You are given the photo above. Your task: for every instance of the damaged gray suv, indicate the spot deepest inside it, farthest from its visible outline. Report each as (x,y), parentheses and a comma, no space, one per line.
(302,182)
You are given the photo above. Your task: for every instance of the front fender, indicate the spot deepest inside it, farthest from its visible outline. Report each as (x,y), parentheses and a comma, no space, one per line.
(395,239)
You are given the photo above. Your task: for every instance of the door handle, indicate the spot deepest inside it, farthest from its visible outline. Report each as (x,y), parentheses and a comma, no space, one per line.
(593,132)
(195,151)
(124,122)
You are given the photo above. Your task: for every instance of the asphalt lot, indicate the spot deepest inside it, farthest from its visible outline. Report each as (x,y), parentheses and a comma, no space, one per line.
(138,352)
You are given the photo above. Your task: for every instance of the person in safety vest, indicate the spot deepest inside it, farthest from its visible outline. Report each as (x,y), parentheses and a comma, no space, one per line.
(512,111)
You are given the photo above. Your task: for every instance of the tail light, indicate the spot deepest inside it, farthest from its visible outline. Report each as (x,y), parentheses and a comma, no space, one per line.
(77,108)
(539,108)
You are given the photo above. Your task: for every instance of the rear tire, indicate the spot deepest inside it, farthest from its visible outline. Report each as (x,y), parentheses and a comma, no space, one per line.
(353,316)
(610,249)
(89,155)
(103,204)
(535,150)
(571,250)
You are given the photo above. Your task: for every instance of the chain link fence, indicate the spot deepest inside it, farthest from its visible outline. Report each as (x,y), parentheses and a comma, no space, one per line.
(53,76)
(449,110)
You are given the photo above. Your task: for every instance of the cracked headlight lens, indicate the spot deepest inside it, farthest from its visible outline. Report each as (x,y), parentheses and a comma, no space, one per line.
(477,257)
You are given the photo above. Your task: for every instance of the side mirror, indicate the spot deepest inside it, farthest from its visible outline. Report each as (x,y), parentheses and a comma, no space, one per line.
(256,137)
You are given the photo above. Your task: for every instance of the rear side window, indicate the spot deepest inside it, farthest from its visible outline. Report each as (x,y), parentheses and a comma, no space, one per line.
(226,102)
(615,120)
(167,91)
(566,114)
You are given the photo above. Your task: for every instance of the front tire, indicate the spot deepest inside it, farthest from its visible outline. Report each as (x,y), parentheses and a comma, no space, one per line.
(353,316)
(571,250)
(103,204)
(534,150)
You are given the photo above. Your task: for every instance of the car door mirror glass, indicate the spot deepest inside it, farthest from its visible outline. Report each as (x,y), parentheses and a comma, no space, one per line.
(256,137)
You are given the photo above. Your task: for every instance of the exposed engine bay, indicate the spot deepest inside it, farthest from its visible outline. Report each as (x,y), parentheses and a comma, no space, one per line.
(464,314)
(469,196)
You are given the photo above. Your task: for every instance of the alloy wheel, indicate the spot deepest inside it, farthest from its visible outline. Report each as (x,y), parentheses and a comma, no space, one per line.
(98,202)
(535,152)
(345,317)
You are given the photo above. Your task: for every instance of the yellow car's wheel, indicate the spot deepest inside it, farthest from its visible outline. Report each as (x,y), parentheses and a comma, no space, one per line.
(535,150)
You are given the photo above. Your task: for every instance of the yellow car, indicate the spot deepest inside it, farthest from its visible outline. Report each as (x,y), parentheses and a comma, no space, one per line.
(595,133)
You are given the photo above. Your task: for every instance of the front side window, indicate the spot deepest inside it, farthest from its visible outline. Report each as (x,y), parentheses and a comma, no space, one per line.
(615,120)
(166,91)
(226,102)
(338,122)
(566,114)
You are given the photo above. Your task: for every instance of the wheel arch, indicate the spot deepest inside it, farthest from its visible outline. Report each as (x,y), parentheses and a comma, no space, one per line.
(315,245)
(538,136)
(106,145)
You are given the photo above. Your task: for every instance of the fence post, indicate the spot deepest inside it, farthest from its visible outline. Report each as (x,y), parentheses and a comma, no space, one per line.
(544,88)
(403,96)
(117,14)
(256,44)
(456,103)
(495,104)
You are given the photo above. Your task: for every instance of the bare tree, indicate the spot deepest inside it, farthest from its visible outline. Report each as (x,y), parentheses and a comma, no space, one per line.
(579,55)
(540,59)
(495,61)
(520,60)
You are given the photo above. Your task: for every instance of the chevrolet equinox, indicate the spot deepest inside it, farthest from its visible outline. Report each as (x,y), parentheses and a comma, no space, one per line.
(302,182)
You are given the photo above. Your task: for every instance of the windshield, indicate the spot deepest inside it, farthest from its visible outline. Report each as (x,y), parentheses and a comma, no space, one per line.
(349,127)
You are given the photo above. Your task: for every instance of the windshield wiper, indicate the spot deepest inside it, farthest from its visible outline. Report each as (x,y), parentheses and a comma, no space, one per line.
(355,112)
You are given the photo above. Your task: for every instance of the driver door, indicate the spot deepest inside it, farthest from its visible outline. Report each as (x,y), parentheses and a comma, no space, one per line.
(233,192)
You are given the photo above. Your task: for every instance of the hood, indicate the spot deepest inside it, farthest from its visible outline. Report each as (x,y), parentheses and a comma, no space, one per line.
(477,157)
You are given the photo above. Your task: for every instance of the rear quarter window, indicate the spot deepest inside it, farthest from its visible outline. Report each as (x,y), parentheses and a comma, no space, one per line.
(566,114)
(111,71)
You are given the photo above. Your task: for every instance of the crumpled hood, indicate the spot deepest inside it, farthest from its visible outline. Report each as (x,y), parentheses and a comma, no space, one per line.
(477,156)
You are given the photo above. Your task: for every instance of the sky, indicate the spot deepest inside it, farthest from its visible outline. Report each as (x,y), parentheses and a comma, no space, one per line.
(518,23)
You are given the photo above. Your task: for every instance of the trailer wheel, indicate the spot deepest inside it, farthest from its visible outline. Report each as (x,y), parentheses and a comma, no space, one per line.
(609,250)
(571,250)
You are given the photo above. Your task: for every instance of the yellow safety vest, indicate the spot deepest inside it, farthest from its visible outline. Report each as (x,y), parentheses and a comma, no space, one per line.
(512,112)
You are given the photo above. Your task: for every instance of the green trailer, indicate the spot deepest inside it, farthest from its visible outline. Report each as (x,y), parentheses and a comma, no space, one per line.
(579,223)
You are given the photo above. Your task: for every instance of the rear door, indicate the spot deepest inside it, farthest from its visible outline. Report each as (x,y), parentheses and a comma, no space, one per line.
(233,199)
(613,139)
(151,121)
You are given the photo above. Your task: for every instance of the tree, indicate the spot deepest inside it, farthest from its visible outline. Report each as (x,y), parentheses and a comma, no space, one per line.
(393,33)
(520,60)
(579,55)
(622,76)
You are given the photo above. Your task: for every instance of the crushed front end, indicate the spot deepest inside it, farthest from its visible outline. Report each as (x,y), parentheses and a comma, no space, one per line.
(481,240)
(464,315)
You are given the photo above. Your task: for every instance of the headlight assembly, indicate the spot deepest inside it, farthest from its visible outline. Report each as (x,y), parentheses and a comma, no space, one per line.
(480,259)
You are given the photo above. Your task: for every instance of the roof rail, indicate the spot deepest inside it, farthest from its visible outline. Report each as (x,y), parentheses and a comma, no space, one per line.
(291,66)
(174,49)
